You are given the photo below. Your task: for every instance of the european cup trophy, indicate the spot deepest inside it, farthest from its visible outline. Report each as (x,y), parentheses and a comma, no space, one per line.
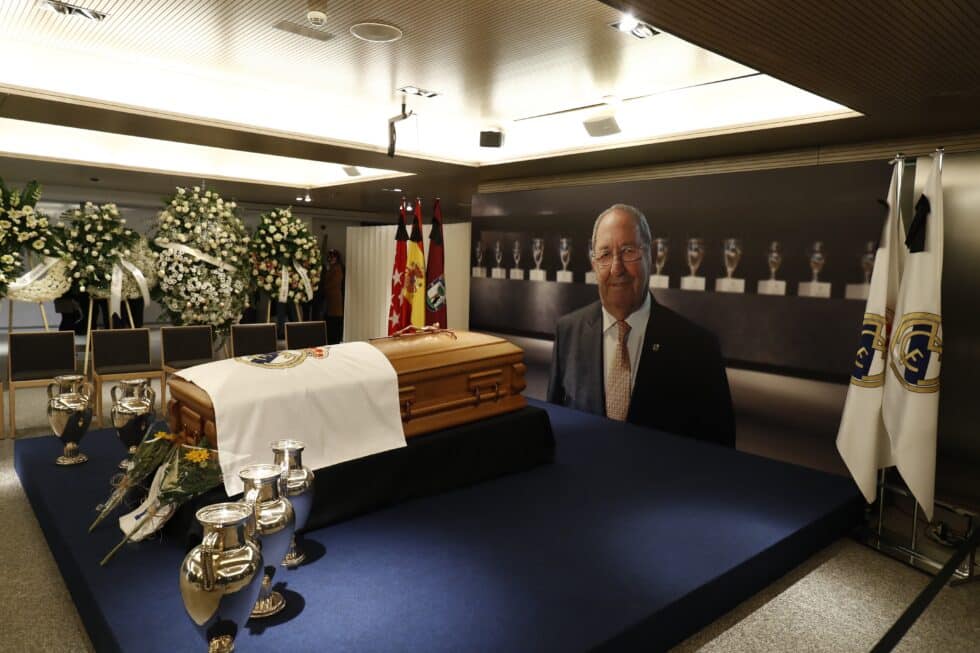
(815,287)
(861,290)
(774,258)
(565,255)
(590,277)
(660,249)
(537,253)
(695,254)
(732,254)
(516,272)
(70,401)
(498,255)
(479,270)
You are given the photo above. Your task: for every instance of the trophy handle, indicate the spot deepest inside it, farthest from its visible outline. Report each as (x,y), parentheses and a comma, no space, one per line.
(112,393)
(87,389)
(51,395)
(208,549)
(150,395)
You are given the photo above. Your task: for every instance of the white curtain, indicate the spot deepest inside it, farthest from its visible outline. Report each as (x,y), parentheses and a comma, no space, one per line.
(370,255)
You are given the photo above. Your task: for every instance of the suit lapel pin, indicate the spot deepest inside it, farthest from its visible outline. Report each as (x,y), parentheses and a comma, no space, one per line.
(655,346)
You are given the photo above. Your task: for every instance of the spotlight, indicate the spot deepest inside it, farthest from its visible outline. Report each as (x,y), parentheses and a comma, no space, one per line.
(634,27)
(627,23)
(391,127)
(415,90)
(299,197)
(66,9)
(307,199)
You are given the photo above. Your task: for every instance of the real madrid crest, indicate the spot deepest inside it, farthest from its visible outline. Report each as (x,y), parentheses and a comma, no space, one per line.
(276,360)
(869,361)
(916,351)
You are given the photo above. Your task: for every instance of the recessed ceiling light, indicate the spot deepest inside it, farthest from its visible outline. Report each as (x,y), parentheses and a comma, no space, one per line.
(307,199)
(376,32)
(66,9)
(627,23)
(634,27)
(415,90)
(299,197)
(351,171)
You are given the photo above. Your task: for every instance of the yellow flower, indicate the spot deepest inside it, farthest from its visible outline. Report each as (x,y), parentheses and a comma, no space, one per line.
(197,456)
(163,435)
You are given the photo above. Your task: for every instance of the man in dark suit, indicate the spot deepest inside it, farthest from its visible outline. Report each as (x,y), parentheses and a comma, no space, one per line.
(629,358)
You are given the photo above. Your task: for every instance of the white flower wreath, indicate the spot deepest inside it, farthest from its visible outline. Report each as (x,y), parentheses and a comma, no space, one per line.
(285,257)
(23,228)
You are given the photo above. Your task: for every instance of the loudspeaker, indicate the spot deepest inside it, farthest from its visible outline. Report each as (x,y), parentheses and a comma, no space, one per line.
(601,126)
(491,138)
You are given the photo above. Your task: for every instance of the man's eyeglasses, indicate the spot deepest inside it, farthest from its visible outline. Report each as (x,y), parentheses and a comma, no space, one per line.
(627,254)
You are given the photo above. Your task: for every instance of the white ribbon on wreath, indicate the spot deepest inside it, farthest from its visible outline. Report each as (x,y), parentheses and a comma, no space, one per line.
(284,282)
(35,273)
(115,287)
(199,255)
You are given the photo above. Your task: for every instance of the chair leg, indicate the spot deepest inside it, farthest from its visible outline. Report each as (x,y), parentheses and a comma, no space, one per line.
(163,394)
(3,419)
(98,400)
(13,413)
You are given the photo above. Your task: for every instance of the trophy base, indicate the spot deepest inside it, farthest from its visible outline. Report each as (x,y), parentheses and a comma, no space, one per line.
(819,289)
(268,606)
(76,459)
(659,281)
(516,274)
(730,285)
(222,644)
(857,290)
(539,275)
(772,287)
(564,276)
(295,557)
(590,278)
(498,273)
(692,283)
(479,273)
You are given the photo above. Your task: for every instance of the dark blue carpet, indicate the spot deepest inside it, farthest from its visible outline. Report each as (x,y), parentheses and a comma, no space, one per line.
(632,540)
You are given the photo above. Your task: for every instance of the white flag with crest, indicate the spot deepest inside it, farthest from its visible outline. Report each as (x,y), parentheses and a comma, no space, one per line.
(861,439)
(910,407)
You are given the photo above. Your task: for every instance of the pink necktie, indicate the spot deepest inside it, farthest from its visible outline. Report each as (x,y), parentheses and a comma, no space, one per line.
(618,378)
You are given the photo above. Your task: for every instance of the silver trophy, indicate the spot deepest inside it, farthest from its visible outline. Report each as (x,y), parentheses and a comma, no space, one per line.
(695,254)
(565,252)
(732,248)
(131,413)
(517,253)
(817,260)
(774,258)
(298,482)
(498,253)
(275,523)
(660,249)
(537,252)
(868,260)
(70,413)
(478,248)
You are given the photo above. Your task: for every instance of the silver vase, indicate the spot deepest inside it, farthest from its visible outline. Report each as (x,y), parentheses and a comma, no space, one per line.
(131,414)
(70,413)
(220,578)
(275,523)
(298,488)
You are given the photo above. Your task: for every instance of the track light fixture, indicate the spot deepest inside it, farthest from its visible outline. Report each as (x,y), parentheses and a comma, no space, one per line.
(404,115)
(66,9)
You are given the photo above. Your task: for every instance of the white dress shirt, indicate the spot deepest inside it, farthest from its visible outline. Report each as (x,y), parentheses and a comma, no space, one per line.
(634,341)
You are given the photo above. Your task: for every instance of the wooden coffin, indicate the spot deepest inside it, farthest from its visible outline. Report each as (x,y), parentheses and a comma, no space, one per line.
(444,379)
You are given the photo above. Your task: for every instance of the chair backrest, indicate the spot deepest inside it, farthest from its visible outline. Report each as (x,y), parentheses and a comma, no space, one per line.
(119,350)
(40,355)
(300,335)
(184,346)
(248,339)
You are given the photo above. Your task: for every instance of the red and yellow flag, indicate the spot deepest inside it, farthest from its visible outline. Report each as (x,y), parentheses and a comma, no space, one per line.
(414,289)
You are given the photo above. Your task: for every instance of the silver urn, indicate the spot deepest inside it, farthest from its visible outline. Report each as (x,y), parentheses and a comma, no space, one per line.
(70,413)
(220,578)
(131,413)
(298,482)
(275,523)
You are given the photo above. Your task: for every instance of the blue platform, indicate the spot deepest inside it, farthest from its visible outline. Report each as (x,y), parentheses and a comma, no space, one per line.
(631,540)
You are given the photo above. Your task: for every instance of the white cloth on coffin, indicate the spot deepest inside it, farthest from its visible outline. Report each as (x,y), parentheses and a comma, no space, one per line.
(343,406)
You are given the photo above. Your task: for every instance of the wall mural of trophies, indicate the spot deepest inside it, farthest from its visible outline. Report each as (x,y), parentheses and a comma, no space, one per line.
(565,256)
(861,290)
(479,271)
(537,254)
(661,247)
(70,414)
(131,414)
(498,255)
(815,287)
(774,259)
(517,272)
(732,255)
(695,254)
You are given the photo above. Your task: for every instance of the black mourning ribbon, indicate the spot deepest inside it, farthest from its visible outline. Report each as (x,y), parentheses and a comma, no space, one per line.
(915,240)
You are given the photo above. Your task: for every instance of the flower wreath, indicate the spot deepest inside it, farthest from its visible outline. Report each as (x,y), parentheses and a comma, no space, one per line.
(285,257)
(23,228)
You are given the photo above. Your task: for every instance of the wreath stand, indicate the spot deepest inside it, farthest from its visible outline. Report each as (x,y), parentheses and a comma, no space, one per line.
(10,316)
(88,330)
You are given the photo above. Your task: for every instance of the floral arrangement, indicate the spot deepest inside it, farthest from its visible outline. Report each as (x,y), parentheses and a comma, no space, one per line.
(202,249)
(23,228)
(96,238)
(285,257)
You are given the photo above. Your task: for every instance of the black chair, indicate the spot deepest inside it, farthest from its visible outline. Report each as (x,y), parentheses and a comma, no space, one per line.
(248,339)
(300,335)
(34,359)
(185,346)
(123,354)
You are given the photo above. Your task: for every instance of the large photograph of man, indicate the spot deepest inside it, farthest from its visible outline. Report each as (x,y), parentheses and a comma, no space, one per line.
(631,359)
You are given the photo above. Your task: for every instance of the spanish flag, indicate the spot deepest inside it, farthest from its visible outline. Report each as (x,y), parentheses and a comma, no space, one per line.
(415,269)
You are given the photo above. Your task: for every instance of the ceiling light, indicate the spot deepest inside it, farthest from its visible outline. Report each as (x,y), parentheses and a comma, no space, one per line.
(299,196)
(351,171)
(634,27)
(415,90)
(376,32)
(66,9)
(627,23)
(307,199)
